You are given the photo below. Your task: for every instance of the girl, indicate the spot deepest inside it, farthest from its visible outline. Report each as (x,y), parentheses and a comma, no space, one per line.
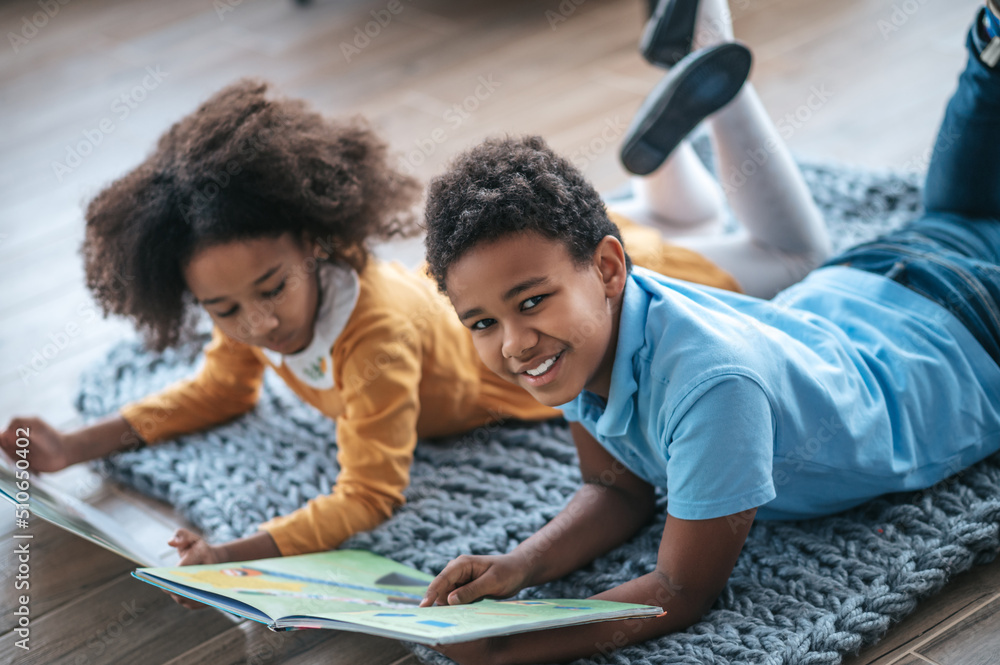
(260,211)
(878,373)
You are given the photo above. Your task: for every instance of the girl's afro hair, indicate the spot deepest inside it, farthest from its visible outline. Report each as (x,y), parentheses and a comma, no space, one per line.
(242,166)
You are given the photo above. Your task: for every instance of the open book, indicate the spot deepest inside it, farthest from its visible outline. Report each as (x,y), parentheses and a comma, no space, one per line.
(77,517)
(355,590)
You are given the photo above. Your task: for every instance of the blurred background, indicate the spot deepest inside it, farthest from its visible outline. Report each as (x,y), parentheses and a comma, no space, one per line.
(87,87)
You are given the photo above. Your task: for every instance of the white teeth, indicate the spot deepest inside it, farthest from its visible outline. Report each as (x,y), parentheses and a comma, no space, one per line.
(543,368)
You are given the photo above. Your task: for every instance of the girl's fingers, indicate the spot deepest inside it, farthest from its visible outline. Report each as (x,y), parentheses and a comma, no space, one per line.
(182,539)
(192,556)
(186,602)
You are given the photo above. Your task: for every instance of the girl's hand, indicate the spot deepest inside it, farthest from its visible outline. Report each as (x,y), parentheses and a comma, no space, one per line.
(193,550)
(470,578)
(47,450)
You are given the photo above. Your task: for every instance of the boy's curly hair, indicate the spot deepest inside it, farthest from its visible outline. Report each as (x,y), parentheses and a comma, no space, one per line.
(242,166)
(511,185)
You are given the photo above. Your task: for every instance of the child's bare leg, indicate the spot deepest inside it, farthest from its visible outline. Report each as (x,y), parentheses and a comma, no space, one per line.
(679,198)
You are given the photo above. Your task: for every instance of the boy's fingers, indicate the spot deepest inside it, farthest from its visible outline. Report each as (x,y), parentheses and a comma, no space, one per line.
(436,589)
(456,573)
(474,590)
(431,594)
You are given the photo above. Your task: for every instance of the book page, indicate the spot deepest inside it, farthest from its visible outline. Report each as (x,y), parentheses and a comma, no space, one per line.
(374,595)
(77,517)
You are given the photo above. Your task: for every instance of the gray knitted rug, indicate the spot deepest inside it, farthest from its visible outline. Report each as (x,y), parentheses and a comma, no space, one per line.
(801,593)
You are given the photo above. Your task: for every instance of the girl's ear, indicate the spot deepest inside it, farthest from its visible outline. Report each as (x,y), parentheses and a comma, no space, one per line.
(609,259)
(317,247)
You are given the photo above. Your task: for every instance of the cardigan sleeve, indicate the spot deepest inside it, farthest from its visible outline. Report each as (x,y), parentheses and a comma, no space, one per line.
(227,386)
(378,374)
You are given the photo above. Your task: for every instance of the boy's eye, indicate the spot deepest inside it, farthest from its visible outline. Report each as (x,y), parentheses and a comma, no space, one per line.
(482,324)
(278,289)
(532,302)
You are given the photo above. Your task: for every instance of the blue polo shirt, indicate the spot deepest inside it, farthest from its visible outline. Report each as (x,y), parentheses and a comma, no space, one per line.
(844,387)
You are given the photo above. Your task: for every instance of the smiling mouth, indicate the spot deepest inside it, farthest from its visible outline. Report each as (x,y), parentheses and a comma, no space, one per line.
(544,367)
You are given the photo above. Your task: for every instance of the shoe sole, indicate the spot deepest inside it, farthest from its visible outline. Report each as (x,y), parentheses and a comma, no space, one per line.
(681,101)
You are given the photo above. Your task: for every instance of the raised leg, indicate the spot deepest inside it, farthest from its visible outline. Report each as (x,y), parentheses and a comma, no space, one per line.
(783,236)
(964,173)
(679,198)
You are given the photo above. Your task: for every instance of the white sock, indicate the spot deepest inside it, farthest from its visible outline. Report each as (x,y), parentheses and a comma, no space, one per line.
(714,24)
(679,198)
(785,236)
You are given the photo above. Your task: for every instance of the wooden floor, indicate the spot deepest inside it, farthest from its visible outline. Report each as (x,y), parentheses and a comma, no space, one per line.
(883,69)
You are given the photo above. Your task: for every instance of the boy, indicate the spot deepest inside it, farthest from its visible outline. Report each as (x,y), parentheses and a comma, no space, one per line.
(879,373)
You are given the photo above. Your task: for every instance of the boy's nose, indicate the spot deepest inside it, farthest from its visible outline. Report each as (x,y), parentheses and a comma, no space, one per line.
(517,341)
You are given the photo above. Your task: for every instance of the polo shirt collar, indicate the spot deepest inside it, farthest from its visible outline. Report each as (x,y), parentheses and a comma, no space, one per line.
(313,365)
(620,407)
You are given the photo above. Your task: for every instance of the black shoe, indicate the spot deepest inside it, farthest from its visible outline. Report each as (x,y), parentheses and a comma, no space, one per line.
(700,84)
(669,32)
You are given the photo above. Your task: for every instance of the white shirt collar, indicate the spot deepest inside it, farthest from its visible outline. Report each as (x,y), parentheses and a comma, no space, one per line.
(313,365)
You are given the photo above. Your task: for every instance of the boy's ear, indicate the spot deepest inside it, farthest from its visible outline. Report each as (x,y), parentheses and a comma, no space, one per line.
(609,259)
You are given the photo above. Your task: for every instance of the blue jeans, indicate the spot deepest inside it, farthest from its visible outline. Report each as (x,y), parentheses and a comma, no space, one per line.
(951,253)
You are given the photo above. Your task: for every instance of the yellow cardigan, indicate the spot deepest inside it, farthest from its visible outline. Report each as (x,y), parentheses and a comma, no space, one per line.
(404,367)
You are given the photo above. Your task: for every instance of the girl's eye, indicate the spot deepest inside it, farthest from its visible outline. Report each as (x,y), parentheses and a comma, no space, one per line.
(532,302)
(482,324)
(227,313)
(276,291)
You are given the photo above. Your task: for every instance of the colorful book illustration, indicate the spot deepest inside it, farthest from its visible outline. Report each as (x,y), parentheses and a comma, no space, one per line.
(355,590)
(77,517)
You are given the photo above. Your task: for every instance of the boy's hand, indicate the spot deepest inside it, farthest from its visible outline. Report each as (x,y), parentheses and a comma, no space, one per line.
(46,452)
(469,578)
(479,652)
(193,550)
